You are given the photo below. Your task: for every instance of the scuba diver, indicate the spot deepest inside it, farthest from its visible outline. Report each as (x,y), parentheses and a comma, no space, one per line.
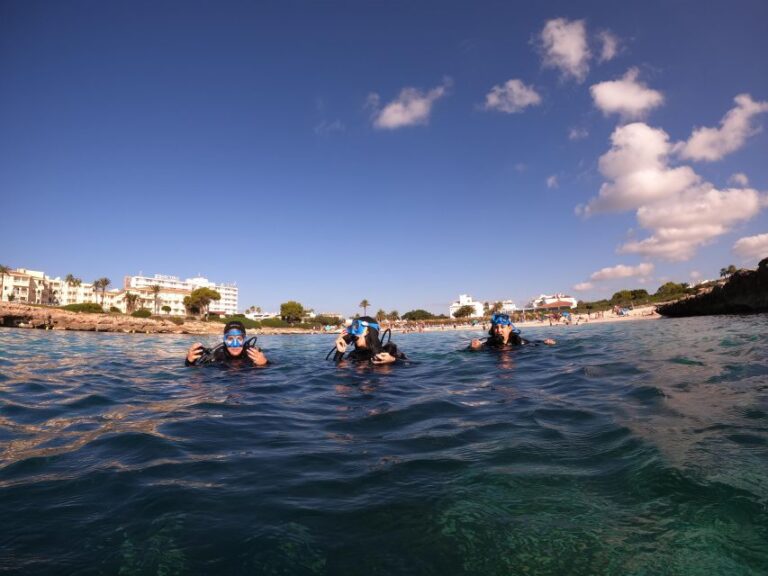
(369,347)
(235,349)
(503,335)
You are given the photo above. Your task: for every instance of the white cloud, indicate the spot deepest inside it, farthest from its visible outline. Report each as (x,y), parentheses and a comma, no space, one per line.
(739,179)
(564,44)
(681,211)
(627,97)
(583,286)
(622,271)
(412,107)
(691,219)
(552,182)
(577,133)
(326,127)
(513,96)
(637,170)
(520,167)
(710,144)
(695,275)
(752,247)
(610,45)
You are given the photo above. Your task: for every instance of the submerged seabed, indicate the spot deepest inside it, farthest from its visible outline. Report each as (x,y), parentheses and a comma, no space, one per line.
(632,448)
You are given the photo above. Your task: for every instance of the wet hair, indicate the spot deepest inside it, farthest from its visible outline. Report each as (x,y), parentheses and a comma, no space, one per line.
(234,325)
(372,341)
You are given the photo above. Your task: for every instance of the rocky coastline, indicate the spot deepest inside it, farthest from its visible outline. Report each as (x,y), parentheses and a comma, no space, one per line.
(20,315)
(745,292)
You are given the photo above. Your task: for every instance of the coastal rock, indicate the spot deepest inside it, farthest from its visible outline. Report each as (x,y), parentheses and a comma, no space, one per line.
(745,292)
(19,315)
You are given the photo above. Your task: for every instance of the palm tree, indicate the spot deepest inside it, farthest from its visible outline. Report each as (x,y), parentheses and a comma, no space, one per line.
(101,284)
(3,271)
(155,290)
(130,302)
(381,315)
(364,305)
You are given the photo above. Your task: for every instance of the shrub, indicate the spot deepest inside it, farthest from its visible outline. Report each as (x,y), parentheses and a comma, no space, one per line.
(115,309)
(247,322)
(274,323)
(143,313)
(176,320)
(90,307)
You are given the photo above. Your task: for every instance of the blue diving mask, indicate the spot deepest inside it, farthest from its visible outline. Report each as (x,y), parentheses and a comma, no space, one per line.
(503,320)
(234,339)
(358,327)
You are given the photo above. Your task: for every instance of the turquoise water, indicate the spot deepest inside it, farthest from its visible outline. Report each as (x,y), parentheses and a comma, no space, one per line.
(634,448)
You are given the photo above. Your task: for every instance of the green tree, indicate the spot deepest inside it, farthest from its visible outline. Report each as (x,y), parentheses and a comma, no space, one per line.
(497,307)
(155,291)
(166,309)
(394,315)
(199,300)
(671,289)
(291,311)
(464,312)
(417,315)
(364,305)
(3,271)
(622,297)
(639,294)
(101,285)
(381,315)
(725,272)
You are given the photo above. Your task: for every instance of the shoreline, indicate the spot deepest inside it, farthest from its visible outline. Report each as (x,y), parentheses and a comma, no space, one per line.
(32,317)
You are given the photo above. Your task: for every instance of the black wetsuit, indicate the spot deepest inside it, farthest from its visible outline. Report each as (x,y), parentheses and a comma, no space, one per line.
(220,355)
(497,343)
(367,354)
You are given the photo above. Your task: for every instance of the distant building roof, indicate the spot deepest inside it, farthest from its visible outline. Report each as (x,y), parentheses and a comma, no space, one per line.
(557,304)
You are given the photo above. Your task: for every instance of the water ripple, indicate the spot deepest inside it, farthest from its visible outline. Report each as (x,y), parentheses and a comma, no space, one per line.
(630,448)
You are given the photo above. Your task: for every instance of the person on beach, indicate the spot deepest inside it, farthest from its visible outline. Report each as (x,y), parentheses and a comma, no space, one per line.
(235,349)
(503,335)
(363,333)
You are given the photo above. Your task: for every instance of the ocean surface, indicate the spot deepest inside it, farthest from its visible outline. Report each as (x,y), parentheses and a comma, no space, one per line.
(634,448)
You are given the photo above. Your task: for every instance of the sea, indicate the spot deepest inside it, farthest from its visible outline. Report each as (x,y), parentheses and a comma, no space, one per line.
(629,448)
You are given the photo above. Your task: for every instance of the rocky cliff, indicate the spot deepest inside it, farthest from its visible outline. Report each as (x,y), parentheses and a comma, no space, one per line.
(745,292)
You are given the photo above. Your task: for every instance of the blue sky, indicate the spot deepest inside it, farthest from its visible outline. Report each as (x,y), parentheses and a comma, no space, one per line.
(403,152)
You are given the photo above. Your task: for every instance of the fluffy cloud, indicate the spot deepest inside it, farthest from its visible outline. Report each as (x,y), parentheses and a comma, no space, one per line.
(564,46)
(739,179)
(609,45)
(637,170)
(552,182)
(583,286)
(577,133)
(681,211)
(622,271)
(752,247)
(627,97)
(412,107)
(513,96)
(710,144)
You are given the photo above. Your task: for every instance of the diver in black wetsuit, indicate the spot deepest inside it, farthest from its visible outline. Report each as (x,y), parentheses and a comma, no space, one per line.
(503,335)
(234,350)
(364,334)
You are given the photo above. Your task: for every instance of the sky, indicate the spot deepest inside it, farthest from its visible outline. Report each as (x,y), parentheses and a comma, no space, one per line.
(401,152)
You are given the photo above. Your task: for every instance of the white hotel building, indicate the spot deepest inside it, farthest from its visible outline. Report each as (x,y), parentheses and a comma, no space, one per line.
(34,287)
(507,306)
(174,289)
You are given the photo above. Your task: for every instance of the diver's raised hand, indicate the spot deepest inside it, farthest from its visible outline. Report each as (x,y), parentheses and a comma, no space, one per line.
(383,358)
(341,344)
(257,356)
(194,352)
(476,344)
